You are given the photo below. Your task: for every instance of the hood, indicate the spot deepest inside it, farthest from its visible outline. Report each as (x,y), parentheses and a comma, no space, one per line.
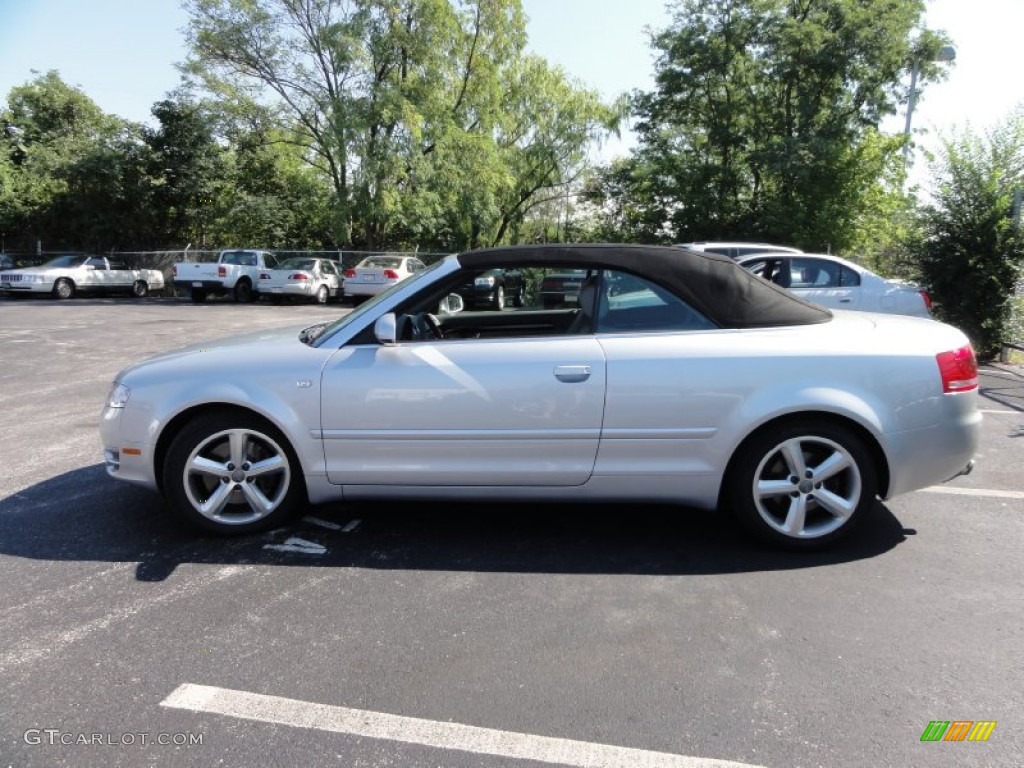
(228,358)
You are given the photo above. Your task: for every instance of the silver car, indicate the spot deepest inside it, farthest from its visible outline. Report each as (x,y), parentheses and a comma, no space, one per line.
(679,379)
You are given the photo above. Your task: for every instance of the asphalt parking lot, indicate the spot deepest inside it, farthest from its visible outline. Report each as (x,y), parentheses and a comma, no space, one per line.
(461,635)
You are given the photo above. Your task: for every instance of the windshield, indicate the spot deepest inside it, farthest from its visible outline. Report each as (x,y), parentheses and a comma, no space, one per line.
(67,261)
(322,336)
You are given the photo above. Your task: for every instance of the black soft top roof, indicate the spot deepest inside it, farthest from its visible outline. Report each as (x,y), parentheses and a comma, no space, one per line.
(716,285)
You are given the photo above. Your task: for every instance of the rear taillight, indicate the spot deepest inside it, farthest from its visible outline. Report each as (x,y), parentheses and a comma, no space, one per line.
(959,369)
(264,276)
(390,274)
(298,276)
(927,299)
(174,271)
(350,273)
(222,271)
(551,284)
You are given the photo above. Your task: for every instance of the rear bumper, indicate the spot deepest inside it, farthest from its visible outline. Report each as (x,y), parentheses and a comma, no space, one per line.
(919,458)
(210,286)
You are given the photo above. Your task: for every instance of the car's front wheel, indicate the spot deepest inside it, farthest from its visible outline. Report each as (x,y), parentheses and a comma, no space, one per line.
(63,288)
(232,473)
(323,293)
(140,289)
(803,484)
(499,298)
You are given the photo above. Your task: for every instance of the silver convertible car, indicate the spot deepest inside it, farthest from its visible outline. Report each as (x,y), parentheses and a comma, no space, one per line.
(679,377)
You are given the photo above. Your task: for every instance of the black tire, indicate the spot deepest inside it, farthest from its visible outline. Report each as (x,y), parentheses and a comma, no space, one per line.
(63,288)
(519,300)
(499,298)
(140,289)
(197,295)
(323,295)
(243,291)
(803,502)
(209,436)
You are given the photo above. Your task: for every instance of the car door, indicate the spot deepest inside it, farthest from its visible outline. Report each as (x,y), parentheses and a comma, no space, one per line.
(472,412)
(825,282)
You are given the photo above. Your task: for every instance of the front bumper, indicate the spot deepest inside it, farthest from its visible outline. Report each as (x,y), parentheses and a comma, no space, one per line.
(128,460)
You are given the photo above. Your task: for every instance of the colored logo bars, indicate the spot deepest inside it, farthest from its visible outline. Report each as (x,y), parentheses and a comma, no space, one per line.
(958,730)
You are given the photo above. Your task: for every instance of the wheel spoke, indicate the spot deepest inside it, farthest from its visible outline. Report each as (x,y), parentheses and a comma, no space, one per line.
(214,505)
(256,499)
(796,516)
(793,453)
(769,488)
(239,442)
(204,466)
(831,466)
(834,504)
(273,464)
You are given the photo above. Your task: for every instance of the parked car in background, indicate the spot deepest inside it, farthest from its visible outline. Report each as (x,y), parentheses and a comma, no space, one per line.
(6,262)
(737,250)
(302,277)
(680,378)
(236,273)
(562,288)
(375,274)
(839,284)
(65,276)
(494,289)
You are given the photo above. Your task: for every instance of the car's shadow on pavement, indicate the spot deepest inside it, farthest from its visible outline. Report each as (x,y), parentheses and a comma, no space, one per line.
(84,516)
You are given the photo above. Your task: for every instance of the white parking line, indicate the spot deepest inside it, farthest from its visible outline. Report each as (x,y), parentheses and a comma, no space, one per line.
(993,410)
(987,492)
(322,523)
(428,733)
(295,544)
(351,526)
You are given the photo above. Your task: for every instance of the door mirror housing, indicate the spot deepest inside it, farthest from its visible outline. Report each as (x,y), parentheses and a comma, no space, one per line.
(386,329)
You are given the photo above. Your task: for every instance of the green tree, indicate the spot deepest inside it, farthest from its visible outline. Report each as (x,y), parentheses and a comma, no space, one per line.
(404,105)
(63,159)
(764,120)
(973,252)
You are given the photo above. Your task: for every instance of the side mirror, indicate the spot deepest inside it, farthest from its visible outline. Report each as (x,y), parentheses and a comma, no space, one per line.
(386,329)
(451,304)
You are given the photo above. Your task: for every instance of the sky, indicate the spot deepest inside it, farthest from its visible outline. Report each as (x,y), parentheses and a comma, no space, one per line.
(122,53)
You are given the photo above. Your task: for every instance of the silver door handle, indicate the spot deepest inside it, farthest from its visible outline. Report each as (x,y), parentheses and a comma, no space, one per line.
(572,373)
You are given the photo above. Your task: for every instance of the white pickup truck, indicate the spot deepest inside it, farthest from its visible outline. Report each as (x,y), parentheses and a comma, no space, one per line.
(65,276)
(236,272)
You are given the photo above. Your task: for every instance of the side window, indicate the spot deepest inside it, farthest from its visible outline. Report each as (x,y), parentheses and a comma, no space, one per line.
(847,277)
(97,263)
(814,273)
(627,303)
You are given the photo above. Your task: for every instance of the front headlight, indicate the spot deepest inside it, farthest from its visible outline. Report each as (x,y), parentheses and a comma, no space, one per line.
(484,282)
(39,279)
(118,396)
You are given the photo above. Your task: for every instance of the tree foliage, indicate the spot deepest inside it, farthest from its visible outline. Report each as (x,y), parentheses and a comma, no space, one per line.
(973,253)
(764,120)
(424,115)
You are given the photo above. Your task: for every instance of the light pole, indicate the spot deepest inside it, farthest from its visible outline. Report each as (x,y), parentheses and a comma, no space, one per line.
(946,53)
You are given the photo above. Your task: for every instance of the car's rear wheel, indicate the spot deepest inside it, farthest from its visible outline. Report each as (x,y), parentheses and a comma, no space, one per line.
(243,291)
(140,289)
(803,485)
(63,288)
(232,473)
(322,295)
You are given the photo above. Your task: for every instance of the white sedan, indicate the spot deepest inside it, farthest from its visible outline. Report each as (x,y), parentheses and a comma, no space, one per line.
(677,379)
(65,276)
(839,284)
(375,274)
(302,277)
